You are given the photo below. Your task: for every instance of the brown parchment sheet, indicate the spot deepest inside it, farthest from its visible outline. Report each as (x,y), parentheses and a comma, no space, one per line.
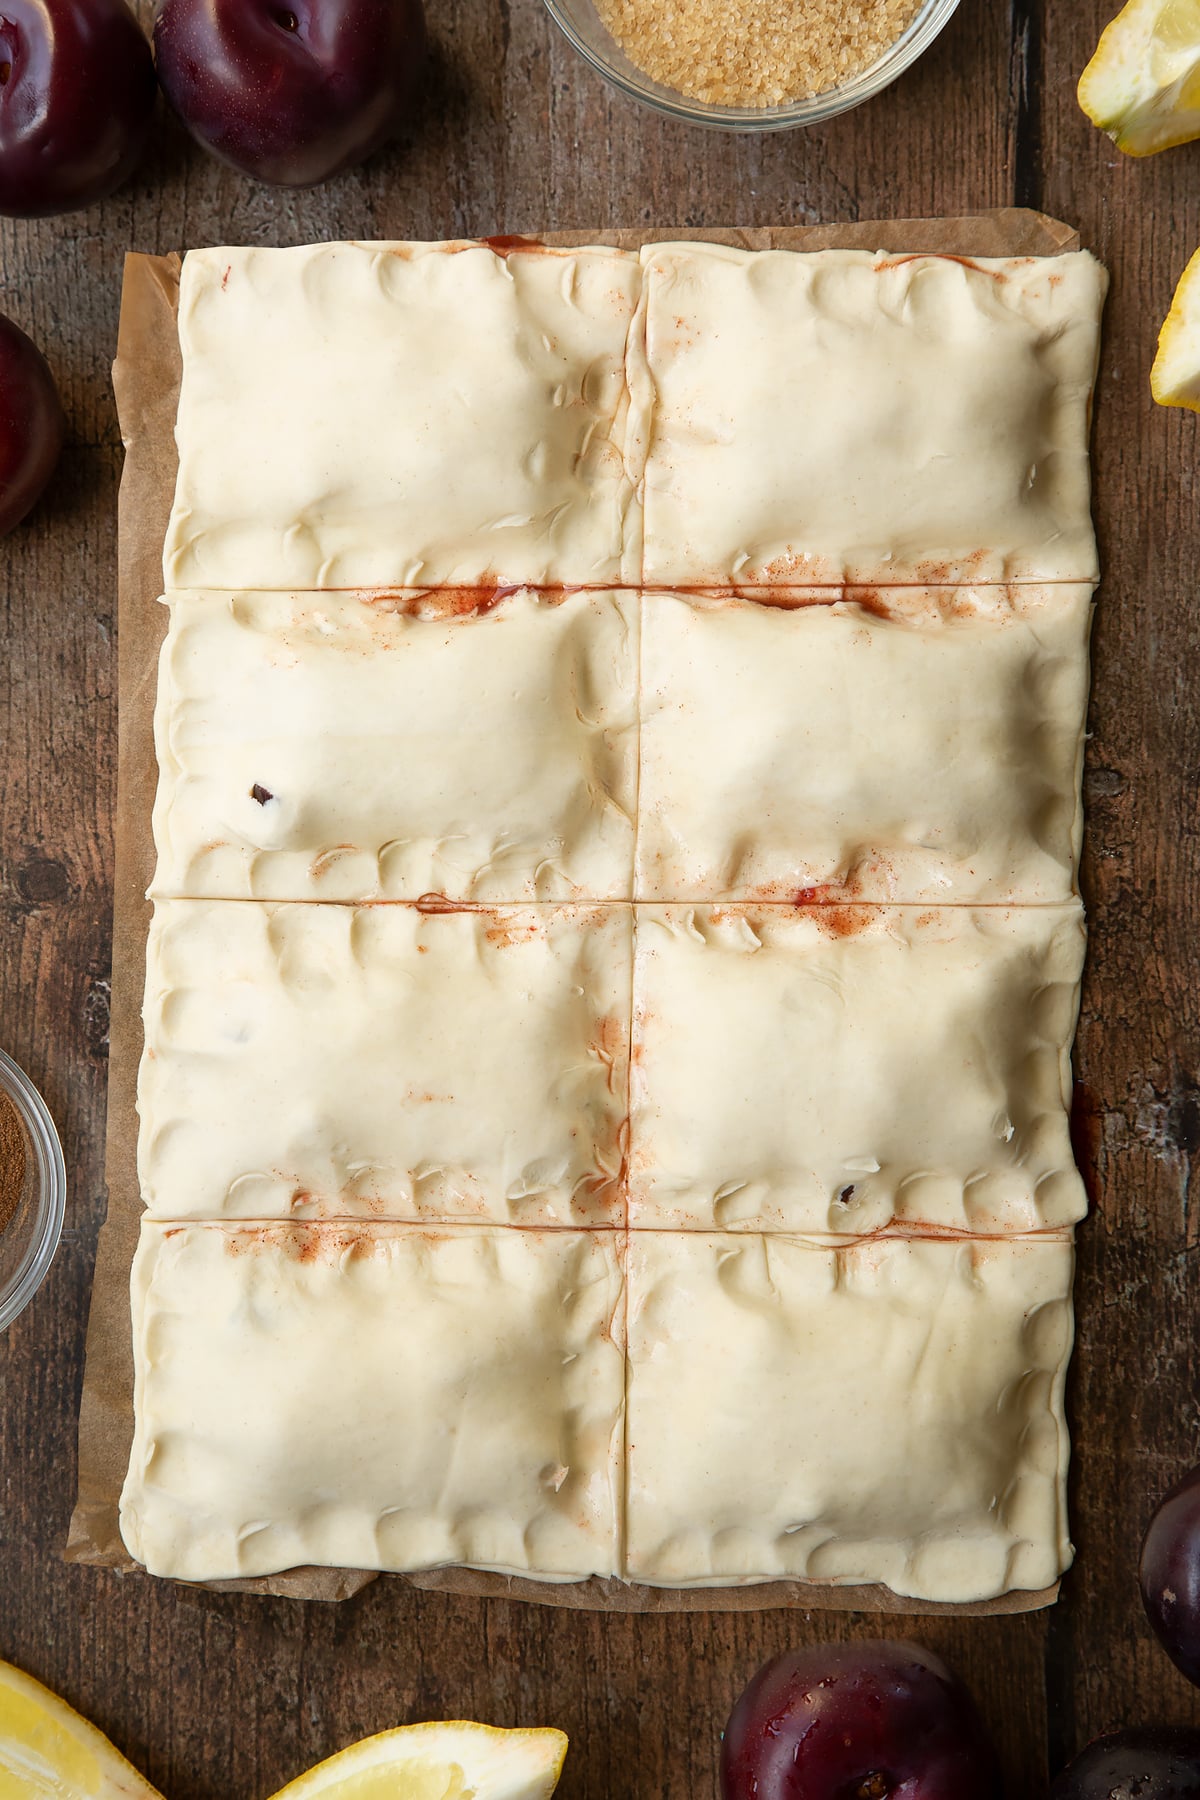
(146,377)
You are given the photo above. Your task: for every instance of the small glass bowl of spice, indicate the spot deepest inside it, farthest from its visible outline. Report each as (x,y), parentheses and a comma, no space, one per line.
(33,1189)
(751,65)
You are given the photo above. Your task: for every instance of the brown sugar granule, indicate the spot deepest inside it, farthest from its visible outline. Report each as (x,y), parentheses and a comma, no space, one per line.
(760,54)
(12,1160)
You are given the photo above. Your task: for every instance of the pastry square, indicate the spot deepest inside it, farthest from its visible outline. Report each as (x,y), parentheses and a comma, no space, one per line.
(900,744)
(403,415)
(848,416)
(375,1397)
(851,1068)
(322,1061)
(883,1411)
(346,747)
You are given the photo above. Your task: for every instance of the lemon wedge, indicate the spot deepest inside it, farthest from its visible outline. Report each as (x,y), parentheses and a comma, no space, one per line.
(450,1761)
(48,1752)
(1143,84)
(1175,377)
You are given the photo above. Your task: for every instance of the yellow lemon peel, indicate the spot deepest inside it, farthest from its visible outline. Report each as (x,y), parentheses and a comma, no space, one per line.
(1175,377)
(49,1752)
(453,1760)
(1143,84)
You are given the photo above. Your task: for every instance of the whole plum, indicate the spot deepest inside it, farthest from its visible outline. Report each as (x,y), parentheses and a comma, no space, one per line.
(866,1721)
(1146,1764)
(31,424)
(1169,1574)
(77,89)
(290,91)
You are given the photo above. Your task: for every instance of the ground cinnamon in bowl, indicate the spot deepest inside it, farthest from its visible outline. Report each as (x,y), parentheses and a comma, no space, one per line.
(755,52)
(12,1161)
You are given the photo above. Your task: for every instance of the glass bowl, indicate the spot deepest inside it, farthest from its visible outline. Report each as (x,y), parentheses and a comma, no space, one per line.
(30,1238)
(579,21)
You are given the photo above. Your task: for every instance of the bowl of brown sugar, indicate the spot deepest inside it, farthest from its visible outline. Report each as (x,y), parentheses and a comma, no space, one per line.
(33,1190)
(762,67)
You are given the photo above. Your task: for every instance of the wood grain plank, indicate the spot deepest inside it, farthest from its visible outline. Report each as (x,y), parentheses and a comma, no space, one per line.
(1134,1393)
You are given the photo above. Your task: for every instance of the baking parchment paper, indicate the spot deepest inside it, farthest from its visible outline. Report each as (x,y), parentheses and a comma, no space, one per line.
(146,378)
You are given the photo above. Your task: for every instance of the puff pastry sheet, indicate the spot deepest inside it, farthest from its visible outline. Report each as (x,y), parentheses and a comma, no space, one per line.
(399,414)
(396,1397)
(379,1397)
(846,416)
(845,1069)
(730,949)
(889,1411)
(902,744)
(313,1061)
(340,747)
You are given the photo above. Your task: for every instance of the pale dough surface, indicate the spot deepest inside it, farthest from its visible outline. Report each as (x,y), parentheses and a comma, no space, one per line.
(335,747)
(890,1411)
(381,1397)
(906,745)
(850,416)
(846,1068)
(385,1062)
(837,1134)
(398,414)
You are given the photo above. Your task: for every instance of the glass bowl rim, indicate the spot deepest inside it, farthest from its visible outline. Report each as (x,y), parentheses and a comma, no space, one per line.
(51,1192)
(913,41)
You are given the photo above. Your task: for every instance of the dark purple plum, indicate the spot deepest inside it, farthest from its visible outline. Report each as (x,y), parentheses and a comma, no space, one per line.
(868,1721)
(1146,1764)
(290,91)
(1169,1574)
(31,424)
(77,89)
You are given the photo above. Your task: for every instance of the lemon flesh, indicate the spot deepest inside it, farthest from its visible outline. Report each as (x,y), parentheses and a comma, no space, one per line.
(1175,377)
(1143,84)
(48,1752)
(451,1761)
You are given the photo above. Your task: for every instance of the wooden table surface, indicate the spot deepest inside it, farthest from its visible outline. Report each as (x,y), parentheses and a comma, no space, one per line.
(221,1697)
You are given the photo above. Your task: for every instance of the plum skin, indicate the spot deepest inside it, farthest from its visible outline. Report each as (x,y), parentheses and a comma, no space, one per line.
(1169,1574)
(859,1721)
(75,103)
(32,426)
(290,92)
(1146,1764)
